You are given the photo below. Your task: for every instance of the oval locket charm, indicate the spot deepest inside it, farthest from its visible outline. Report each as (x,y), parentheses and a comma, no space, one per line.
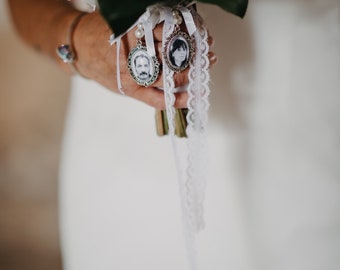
(178,50)
(143,68)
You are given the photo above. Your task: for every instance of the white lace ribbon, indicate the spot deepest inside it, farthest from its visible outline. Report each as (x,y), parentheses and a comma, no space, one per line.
(192,172)
(197,117)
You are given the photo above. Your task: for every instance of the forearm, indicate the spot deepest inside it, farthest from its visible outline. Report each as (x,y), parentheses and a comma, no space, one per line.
(43,24)
(46,24)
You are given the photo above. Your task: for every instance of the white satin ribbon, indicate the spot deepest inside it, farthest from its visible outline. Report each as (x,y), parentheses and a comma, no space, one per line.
(189,20)
(149,41)
(168,82)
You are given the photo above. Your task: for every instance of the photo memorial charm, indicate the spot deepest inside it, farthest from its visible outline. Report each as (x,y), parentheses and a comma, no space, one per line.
(143,68)
(178,49)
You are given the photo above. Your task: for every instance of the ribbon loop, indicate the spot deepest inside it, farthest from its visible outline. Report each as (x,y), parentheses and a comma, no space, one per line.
(189,20)
(149,41)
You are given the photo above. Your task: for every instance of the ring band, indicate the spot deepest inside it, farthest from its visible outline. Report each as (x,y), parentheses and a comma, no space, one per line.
(66,51)
(119,83)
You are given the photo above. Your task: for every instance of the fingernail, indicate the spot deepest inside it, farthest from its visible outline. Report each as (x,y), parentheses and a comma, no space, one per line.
(212,58)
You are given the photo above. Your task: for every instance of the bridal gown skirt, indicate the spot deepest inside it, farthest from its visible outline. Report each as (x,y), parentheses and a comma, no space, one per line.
(273,194)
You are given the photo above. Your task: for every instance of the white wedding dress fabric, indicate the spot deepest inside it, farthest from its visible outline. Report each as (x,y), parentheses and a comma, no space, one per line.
(273,188)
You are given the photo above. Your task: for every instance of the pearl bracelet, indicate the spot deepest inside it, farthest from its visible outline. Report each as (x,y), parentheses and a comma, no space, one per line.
(66,51)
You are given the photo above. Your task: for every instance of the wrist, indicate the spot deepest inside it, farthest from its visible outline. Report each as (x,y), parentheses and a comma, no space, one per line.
(90,41)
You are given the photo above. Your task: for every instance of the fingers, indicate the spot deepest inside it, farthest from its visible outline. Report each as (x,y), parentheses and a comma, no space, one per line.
(181,100)
(181,78)
(210,41)
(158,32)
(159,48)
(154,97)
(149,95)
(212,58)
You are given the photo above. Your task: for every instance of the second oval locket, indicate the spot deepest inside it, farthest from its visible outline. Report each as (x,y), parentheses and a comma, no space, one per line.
(178,50)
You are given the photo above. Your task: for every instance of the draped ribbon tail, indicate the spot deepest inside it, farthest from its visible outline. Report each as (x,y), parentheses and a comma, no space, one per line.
(197,118)
(191,154)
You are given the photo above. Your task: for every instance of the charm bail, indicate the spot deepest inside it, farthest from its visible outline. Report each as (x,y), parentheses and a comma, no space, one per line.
(177,17)
(139,33)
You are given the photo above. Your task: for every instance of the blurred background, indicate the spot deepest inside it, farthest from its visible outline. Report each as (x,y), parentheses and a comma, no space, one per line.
(32,110)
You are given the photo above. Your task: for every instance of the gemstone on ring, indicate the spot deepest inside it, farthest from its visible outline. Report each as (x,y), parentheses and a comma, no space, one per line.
(66,53)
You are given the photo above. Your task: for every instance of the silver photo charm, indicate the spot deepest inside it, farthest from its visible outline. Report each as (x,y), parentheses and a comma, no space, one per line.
(143,68)
(178,48)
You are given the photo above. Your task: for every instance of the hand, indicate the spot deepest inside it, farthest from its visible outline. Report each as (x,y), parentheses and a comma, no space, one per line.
(96,60)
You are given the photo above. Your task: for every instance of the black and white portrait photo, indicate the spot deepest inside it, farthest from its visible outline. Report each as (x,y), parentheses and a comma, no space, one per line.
(178,51)
(143,68)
